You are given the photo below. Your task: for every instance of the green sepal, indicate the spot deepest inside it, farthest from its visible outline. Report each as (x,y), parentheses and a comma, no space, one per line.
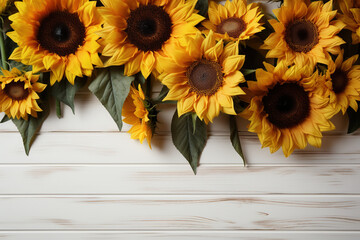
(65,92)
(112,87)
(190,143)
(354,119)
(202,6)
(234,137)
(29,128)
(5,119)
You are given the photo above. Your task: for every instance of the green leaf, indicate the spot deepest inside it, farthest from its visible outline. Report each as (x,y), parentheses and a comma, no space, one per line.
(202,6)
(65,92)
(28,129)
(189,143)
(246,72)
(5,119)
(234,137)
(111,87)
(163,93)
(354,119)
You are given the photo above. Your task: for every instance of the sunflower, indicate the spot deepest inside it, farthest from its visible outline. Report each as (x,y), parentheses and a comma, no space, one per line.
(234,21)
(205,77)
(137,32)
(135,112)
(343,83)
(351,17)
(304,34)
(57,36)
(19,92)
(287,109)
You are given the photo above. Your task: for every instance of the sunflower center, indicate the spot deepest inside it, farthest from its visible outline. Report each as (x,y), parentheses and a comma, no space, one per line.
(232,26)
(301,35)
(61,32)
(339,81)
(149,27)
(205,77)
(287,105)
(16,91)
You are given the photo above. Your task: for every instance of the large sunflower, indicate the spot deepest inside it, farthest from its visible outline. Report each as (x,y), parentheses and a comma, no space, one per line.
(57,36)
(18,94)
(343,83)
(205,77)
(304,34)
(137,32)
(351,17)
(136,114)
(286,109)
(234,21)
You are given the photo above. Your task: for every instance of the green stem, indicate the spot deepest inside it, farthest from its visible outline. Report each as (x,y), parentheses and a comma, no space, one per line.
(3,49)
(148,87)
(58,109)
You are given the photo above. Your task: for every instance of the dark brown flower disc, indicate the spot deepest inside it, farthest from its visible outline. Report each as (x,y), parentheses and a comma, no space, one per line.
(301,35)
(287,105)
(339,81)
(232,26)
(149,27)
(16,91)
(61,32)
(205,77)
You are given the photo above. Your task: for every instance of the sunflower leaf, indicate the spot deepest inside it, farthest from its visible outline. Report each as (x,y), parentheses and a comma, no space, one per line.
(64,91)
(5,119)
(234,137)
(111,87)
(202,6)
(29,129)
(189,143)
(354,119)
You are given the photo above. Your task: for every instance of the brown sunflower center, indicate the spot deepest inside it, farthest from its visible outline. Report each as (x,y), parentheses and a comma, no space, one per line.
(339,81)
(301,35)
(205,77)
(232,26)
(149,27)
(16,91)
(287,105)
(61,32)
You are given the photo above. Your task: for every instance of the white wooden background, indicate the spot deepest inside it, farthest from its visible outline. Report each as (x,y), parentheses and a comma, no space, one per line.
(84,180)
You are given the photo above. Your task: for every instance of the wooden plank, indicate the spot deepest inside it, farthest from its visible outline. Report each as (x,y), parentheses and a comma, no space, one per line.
(177,179)
(178,235)
(90,115)
(333,213)
(119,148)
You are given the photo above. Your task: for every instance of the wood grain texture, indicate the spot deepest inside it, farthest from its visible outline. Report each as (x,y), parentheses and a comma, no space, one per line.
(178,179)
(178,235)
(102,148)
(180,213)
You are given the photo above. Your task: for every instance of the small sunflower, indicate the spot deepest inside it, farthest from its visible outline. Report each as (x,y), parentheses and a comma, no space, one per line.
(351,17)
(287,109)
(3,5)
(205,77)
(137,32)
(19,92)
(57,36)
(135,112)
(234,21)
(343,83)
(304,34)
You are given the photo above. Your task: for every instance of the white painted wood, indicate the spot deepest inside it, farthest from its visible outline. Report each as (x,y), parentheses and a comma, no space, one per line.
(178,179)
(89,147)
(84,180)
(179,235)
(180,213)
